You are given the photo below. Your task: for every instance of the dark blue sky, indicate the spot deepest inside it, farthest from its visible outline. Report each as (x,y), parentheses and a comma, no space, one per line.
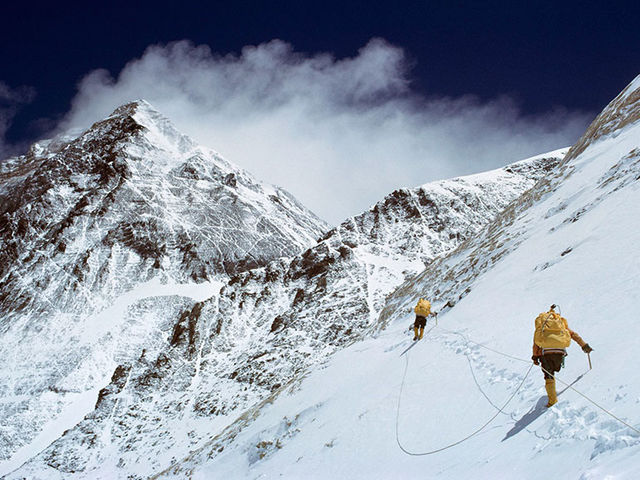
(573,54)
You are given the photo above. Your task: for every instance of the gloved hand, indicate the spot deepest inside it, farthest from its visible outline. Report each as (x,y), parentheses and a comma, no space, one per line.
(536,359)
(587,348)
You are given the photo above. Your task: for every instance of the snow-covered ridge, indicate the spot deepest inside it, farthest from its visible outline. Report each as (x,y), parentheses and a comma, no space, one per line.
(425,222)
(455,274)
(270,325)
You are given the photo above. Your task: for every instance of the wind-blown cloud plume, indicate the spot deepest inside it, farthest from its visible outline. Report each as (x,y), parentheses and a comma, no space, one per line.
(338,133)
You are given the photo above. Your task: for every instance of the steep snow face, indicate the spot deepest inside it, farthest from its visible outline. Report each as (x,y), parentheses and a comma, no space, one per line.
(572,240)
(268,326)
(92,230)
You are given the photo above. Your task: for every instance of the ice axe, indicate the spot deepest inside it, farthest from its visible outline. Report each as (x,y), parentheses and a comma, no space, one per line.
(589,357)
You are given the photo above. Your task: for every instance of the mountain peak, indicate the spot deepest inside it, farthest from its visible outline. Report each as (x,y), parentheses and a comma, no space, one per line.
(131,108)
(140,120)
(142,112)
(133,182)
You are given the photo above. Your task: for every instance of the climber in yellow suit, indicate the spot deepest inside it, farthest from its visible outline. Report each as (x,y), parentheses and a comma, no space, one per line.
(422,311)
(550,340)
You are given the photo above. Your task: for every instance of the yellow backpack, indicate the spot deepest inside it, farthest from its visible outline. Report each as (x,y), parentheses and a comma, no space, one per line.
(551,331)
(423,308)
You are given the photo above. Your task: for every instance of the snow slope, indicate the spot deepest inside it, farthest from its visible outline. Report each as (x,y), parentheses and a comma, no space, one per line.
(572,240)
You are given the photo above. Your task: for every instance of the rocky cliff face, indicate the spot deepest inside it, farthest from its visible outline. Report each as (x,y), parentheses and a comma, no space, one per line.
(269,325)
(99,235)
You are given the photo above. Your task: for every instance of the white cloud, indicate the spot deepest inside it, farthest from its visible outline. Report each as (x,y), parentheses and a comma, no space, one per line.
(338,133)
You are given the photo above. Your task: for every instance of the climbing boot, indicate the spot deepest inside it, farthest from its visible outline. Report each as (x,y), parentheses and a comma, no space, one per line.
(550,385)
(420,333)
(415,333)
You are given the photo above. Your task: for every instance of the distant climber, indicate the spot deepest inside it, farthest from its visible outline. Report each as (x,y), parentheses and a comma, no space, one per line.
(550,340)
(422,310)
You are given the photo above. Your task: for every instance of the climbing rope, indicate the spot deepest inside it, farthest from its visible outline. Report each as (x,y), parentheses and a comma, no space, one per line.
(477,431)
(473,374)
(593,402)
(499,409)
(484,346)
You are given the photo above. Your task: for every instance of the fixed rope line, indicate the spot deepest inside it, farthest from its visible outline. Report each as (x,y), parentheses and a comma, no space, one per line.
(477,431)
(499,409)
(485,347)
(471,366)
(481,390)
(548,373)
